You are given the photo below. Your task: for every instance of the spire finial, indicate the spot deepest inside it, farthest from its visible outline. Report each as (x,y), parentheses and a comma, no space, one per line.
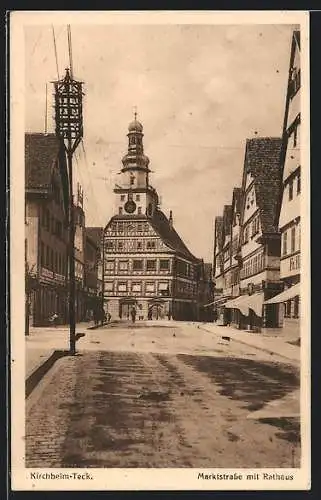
(135,112)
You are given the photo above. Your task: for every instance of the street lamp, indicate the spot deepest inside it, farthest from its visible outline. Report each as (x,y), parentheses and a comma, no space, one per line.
(69,128)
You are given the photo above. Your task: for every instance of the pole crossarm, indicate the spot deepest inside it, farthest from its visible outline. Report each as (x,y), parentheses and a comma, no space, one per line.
(69,128)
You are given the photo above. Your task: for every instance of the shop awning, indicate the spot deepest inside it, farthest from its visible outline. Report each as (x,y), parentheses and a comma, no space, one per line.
(288,294)
(246,302)
(217,302)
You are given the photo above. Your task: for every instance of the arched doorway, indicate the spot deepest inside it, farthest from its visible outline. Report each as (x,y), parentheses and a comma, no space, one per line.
(125,306)
(157,309)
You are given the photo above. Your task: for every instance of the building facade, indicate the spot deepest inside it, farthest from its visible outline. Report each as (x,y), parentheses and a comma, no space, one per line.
(146,264)
(289,215)
(248,242)
(46,236)
(80,296)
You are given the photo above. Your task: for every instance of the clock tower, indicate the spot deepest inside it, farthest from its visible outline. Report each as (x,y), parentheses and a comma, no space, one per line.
(134,194)
(147,267)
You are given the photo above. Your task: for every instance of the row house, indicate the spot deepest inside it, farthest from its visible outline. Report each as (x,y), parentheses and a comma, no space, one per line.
(93,299)
(46,228)
(47,234)
(289,213)
(250,241)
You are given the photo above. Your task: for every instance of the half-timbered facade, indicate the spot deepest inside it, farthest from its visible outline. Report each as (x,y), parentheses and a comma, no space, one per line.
(259,256)
(289,219)
(46,237)
(146,264)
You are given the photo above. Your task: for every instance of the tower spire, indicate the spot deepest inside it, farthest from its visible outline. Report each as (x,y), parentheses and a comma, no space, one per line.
(135,113)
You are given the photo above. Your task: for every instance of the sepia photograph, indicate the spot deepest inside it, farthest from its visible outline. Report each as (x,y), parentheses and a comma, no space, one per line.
(160,309)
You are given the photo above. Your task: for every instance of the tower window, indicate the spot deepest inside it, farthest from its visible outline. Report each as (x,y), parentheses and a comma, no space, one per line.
(137,197)
(122,197)
(132,179)
(139,210)
(139,245)
(120,210)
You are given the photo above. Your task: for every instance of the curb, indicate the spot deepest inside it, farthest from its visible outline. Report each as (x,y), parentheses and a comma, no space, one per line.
(34,378)
(263,349)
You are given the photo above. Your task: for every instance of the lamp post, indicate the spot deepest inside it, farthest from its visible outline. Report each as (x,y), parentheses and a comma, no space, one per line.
(69,128)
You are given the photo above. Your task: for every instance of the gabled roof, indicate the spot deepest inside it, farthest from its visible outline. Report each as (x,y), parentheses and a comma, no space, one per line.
(219,231)
(262,160)
(162,227)
(236,200)
(168,234)
(227,219)
(41,152)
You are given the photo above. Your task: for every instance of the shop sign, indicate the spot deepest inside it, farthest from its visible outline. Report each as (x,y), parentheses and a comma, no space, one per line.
(46,273)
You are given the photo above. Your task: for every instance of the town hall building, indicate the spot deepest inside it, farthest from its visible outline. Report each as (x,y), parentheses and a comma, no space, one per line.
(147,266)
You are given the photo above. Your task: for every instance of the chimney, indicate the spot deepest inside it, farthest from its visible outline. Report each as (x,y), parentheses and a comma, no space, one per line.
(170,219)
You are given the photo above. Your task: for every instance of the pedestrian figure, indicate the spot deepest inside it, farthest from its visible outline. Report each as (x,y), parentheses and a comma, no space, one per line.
(133,314)
(108,317)
(54,319)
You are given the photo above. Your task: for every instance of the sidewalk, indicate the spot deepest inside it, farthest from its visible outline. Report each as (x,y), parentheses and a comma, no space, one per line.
(43,342)
(264,342)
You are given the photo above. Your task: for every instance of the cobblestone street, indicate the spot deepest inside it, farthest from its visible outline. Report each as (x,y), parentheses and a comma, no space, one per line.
(161,409)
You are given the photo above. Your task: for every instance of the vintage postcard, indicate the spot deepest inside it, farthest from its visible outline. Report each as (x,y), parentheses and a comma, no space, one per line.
(160,255)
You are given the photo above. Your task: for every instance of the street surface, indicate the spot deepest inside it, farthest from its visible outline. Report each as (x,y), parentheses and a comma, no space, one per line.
(149,395)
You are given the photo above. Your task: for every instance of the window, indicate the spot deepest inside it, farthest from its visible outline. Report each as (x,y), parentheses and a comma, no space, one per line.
(291,190)
(109,245)
(139,227)
(132,179)
(150,288)
(139,210)
(120,210)
(246,234)
(150,245)
(137,197)
(58,228)
(163,288)
(120,227)
(110,265)
(298,186)
(122,197)
(293,239)
(123,265)
(109,286)
(137,265)
(164,265)
(139,245)
(120,245)
(122,287)
(288,309)
(285,243)
(136,287)
(151,265)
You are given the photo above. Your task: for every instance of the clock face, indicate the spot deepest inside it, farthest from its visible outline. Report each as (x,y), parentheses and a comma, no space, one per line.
(130,206)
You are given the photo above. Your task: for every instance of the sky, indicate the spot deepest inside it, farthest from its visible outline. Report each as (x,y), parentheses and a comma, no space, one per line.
(200,92)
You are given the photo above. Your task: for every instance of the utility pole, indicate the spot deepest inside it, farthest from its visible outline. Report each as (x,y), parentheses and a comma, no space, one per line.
(69,128)
(103,278)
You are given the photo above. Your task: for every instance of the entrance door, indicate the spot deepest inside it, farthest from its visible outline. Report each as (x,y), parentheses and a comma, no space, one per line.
(156,311)
(124,310)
